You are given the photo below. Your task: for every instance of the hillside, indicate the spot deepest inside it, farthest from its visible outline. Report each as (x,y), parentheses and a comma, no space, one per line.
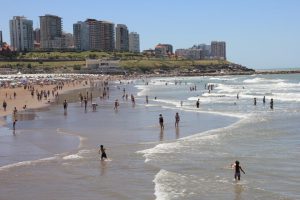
(67,62)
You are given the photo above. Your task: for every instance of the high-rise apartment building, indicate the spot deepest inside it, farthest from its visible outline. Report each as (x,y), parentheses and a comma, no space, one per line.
(134,42)
(107,36)
(218,50)
(1,38)
(122,38)
(21,34)
(94,35)
(51,32)
(37,35)
(205,50)
(81,36)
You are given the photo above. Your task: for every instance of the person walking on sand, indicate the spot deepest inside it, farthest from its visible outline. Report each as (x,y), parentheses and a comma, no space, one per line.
(177,119)
(237,170)
(102,152)
(4,105)
(161,122)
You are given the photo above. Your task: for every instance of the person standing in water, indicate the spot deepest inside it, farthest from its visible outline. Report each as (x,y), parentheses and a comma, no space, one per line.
(14,124)
(161,122)
(177,119)
(271,104)
(198,103)
(264,99)
(147,101)
(116,104)
(65,104)
(85,102)
(102,152)
(237,170)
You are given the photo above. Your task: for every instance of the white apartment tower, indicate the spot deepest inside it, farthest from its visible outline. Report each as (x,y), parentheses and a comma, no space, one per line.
(134,42)
(21,33)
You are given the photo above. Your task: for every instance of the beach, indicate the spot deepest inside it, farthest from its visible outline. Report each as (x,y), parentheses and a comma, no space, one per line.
(54,154)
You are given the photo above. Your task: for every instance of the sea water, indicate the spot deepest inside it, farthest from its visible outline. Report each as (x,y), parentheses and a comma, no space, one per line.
(55,155)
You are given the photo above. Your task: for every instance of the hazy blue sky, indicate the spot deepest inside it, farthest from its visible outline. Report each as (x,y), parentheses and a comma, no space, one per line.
(258,33)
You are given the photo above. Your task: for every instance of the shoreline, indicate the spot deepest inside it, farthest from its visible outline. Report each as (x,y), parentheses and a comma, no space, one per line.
(24,97)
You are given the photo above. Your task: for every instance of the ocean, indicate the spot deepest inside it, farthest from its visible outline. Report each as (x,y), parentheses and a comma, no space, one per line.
(54,155)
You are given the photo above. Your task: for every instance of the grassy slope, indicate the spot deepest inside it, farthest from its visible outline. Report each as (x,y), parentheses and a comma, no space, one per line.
(129,61)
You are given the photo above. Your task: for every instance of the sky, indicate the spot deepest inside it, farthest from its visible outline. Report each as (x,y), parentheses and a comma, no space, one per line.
(258,33)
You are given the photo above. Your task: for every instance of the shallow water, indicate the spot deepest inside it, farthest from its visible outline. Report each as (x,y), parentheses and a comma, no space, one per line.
(54,155)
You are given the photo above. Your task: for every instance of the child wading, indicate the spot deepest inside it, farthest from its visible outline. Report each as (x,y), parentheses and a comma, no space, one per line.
(237,170)
(102,151)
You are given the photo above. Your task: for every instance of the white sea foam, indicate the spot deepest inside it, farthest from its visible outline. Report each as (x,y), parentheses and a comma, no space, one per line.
(165,183)
(223,78)
(81,138)
(143,90)
(171,147)
(168,101)
(72,157)
(262,80)
(27,163)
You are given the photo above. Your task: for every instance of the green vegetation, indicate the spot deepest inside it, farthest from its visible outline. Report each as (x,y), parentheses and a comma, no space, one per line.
(132,62)
(168,64)
(74,55)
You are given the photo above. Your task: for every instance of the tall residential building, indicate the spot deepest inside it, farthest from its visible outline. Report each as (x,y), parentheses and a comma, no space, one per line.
(205,50)
(37,35)
(51,32)
(1,38)
(218,50)
(21,33)
(122,39)
(94,35)
(107,36)
(134,42)
(81,36)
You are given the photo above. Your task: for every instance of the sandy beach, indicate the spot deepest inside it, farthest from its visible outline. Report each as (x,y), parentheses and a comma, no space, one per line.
(24,97)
